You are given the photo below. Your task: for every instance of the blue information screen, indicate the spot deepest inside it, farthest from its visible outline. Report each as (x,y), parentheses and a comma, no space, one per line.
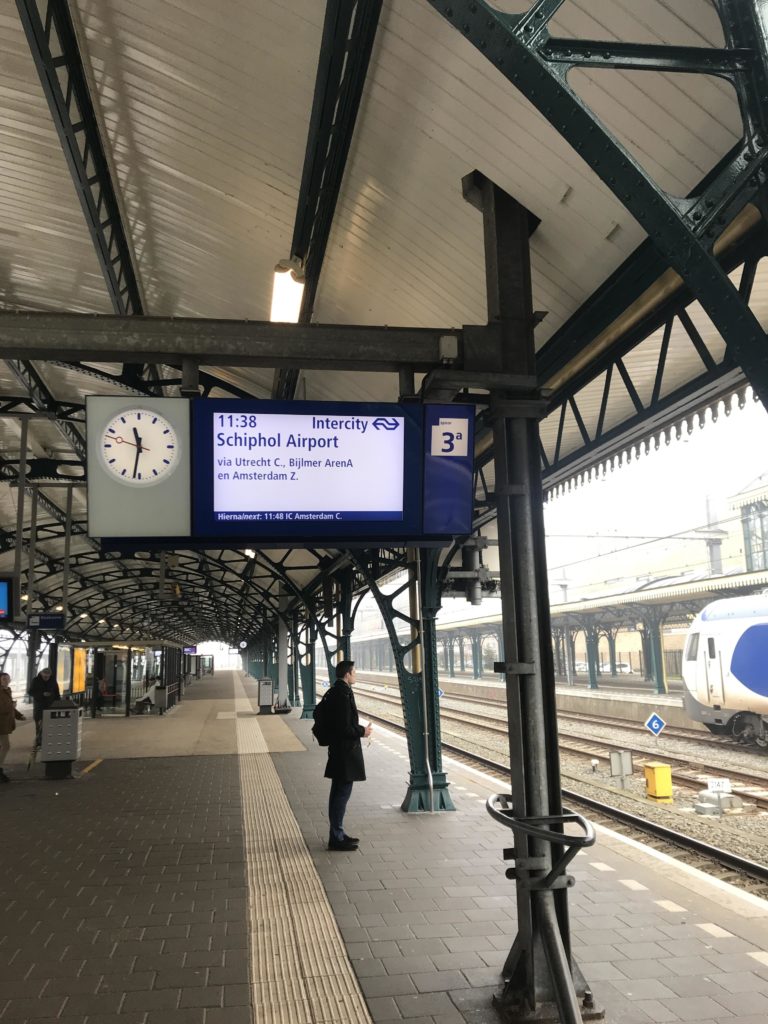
(6,599)
(330,470)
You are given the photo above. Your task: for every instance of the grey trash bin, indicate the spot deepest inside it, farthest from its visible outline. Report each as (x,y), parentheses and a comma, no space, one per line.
(266,695)
(62,738)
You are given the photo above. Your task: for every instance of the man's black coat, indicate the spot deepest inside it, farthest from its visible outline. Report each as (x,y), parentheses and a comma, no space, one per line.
(345,752)
(43,694)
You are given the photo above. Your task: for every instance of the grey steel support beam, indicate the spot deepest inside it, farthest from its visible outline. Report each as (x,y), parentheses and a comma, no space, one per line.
(74,336)
(43,401)
(52,40)
(683,230)
(349,31)
(539,972)
(22,478)
(689,60)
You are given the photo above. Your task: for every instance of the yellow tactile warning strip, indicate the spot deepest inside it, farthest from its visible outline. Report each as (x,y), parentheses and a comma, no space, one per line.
(299,968)
(278,737)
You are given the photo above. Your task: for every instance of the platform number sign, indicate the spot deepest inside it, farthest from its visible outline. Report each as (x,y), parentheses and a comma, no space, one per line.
(655,724)
(449,437)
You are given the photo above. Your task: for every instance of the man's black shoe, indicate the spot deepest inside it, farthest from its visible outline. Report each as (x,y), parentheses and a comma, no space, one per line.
(344,844)
(351,839)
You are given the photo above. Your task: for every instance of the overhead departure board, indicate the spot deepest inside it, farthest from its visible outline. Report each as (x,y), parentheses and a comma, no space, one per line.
(278,473)
(307,467)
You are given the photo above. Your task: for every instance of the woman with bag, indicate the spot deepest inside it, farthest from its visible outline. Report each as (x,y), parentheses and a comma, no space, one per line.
(8,718)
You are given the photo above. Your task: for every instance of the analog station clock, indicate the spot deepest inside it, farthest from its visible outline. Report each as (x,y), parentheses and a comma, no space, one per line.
(139,447)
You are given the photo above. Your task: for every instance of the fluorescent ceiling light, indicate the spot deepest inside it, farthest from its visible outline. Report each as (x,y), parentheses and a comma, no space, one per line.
(287,292)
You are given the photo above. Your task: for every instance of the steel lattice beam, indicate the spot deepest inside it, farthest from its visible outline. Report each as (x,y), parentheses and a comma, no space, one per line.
(349,31)
(664,406)
(42,400)
(57,58)
(683,230)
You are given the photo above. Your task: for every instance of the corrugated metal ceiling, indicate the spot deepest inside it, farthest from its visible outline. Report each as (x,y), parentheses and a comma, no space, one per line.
(204,110)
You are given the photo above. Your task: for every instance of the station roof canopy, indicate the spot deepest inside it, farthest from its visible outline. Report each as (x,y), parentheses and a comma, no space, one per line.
(158,159)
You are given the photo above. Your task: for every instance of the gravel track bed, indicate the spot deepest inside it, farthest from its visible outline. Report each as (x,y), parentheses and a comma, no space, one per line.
(745,834)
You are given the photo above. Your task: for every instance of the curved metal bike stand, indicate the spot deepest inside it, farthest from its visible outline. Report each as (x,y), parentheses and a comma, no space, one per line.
(541,874)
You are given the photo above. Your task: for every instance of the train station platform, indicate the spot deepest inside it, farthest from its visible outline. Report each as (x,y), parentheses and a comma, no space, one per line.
(183,878)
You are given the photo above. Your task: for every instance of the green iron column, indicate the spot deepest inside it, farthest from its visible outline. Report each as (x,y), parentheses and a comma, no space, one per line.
(419,700)
(337,612)
(612,650)
(307,669)
(345,613)
(475,641)
(293,664)
(420,796)
(645,646)
(653,624)
(592,639)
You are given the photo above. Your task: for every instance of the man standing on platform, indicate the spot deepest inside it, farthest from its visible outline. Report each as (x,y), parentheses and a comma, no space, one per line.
(43,690)
(345,753)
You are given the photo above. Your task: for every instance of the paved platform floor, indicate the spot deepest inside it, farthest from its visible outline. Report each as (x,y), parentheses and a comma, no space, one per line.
(184,878)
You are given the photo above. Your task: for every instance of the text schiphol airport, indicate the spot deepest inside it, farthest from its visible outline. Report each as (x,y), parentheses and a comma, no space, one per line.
(307,467)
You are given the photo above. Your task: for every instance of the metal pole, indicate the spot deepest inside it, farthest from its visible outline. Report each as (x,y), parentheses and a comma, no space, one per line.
(33,636)
(32,551)
(536,971)
(417,617)
(67,545)
(20,520)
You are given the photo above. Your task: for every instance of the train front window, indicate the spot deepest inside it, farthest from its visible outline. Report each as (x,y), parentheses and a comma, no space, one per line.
(692,647)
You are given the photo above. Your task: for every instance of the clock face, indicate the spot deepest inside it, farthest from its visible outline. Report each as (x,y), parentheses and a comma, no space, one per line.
(140,447)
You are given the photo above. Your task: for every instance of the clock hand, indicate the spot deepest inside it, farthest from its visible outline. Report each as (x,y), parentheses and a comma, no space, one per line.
(136,460)
(121,440)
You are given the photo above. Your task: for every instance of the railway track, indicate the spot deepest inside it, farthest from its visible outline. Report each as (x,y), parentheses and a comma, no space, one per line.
(750,786)
(748,875)
(677,732)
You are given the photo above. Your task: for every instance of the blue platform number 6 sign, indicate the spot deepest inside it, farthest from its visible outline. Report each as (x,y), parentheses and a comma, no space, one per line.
(449,437)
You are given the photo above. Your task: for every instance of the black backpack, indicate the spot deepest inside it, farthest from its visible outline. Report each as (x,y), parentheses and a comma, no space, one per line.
(322,730)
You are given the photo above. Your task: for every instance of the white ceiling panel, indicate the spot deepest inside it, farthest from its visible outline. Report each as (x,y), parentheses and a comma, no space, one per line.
(204,110)
(47,260)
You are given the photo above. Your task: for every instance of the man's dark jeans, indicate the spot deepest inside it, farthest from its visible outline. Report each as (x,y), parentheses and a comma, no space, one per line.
(337,805)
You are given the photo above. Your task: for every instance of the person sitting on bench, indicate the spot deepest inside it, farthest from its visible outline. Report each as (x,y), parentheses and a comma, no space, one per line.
(145,703)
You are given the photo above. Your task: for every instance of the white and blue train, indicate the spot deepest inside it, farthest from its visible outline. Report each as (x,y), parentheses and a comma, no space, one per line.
(725,668)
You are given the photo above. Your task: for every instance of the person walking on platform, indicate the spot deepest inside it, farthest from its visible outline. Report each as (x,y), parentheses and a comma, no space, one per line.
(345,753)
(8,718)
(44,690)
